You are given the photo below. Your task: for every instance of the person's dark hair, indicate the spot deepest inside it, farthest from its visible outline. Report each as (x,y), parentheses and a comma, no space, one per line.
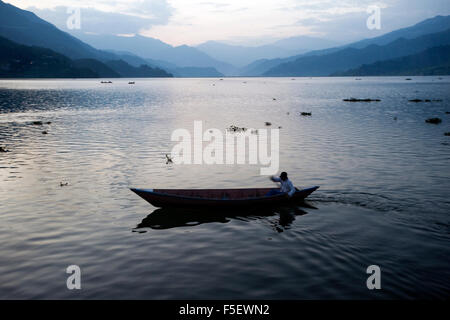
(283,176)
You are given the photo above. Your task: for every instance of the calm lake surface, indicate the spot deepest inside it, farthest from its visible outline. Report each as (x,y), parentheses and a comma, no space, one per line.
(384,196)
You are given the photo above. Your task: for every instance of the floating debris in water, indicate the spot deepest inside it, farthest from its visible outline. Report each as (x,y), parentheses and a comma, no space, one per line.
(361,100)
(306,114)
(234,128)
(3,150)
(138,231)
(106,82)
(433,120)
(131,82)
(63,184)
(44,132)
(268,124)
(447,134)
(408,79)
(395,118)
(37,123)
(274,99)
(280,127)
(287,113)
(447,112)
(169,159)
(425,100)
(49,122)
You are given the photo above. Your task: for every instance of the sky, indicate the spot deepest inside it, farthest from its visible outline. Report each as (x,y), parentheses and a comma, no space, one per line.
(244,22)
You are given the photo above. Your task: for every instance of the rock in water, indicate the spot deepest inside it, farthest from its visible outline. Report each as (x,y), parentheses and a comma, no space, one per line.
(433,120)
(361,100)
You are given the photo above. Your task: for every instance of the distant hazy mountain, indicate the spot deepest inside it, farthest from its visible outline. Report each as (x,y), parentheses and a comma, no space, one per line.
(195,72)
(259,67)
(304,43)
(186,72)
(432,25)
(243,55)
(149,48)
(26,28)
(176,71)
(138,45)
(143,71)
(433,61)
(349,58)
(19,61)
(129,58)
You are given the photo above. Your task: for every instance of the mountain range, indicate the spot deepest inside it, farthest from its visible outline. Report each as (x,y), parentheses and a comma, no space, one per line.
(429,26)
(433,61)
(225,58)
(241,56)
(20,61)
(154,49)
(350,57)
(25,28)
(421,49)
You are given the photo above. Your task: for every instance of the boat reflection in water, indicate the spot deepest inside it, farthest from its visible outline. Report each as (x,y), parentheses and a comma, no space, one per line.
(162,218)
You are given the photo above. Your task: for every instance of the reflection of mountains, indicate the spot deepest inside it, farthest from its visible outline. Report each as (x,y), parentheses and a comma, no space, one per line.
(168,218)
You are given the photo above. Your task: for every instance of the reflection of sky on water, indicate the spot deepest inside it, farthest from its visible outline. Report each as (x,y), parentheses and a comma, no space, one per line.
(105,138)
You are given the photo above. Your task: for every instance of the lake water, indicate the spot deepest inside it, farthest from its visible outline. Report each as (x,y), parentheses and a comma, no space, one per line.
(384,196)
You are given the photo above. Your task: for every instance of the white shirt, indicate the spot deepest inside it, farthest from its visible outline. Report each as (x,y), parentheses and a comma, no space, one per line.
(286,186)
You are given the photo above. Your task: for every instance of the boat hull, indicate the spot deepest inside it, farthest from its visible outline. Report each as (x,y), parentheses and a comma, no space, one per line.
(218,198)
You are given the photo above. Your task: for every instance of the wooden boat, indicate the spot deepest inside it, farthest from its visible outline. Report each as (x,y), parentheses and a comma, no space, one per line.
(218,198)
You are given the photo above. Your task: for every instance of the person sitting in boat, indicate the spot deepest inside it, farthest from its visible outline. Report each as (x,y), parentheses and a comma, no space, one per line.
(286,185)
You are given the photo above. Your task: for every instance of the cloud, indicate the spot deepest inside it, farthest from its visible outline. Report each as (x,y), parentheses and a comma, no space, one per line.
(348,23)
(245,19)
(214,4)
(195,21)
(114,17)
